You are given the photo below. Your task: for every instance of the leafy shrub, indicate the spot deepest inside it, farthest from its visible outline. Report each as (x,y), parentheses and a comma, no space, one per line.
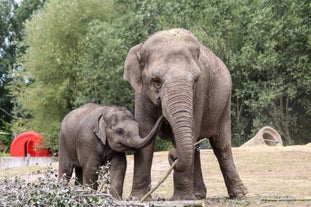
(162,145)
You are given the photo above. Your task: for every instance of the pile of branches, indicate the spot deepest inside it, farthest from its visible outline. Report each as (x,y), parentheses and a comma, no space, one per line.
(47,190)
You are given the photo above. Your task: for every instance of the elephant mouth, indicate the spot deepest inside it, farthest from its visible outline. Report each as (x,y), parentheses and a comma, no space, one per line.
(157,101)
(123,148)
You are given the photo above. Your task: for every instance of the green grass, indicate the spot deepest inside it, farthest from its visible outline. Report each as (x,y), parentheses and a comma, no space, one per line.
(4,154)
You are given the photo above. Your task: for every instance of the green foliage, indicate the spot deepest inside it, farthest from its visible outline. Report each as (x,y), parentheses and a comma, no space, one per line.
(3,154)
(162,145)
(55,38)
(100,68)
(6,61)
(12,21)
(75,53)
(277,56)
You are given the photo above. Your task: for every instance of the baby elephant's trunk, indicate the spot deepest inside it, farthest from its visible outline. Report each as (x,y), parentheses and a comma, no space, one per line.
(139,142)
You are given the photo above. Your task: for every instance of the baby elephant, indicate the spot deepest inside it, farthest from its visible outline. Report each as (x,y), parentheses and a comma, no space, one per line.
(91,135)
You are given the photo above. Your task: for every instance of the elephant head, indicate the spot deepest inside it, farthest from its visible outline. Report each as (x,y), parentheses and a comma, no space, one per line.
(117,126)
(166,69)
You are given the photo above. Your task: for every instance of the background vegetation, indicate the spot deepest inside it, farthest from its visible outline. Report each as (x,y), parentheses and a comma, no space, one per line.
(58,54)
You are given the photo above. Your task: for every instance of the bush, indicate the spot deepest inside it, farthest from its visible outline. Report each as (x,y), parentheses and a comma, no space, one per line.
(162,145)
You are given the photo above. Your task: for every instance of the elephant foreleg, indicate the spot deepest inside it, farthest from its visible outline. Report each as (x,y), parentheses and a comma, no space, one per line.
(65,167)
(90,176)
(117,174)
(142,171)
(183,185)
(183,181)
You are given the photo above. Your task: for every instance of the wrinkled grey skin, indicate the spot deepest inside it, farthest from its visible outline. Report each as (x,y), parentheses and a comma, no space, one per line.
(91,135)
(174,75)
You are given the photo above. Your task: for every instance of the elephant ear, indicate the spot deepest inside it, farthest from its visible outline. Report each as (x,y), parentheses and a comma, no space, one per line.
(132,69)
(100,129)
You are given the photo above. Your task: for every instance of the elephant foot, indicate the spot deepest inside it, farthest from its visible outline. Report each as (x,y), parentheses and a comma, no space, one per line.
(200,196)
(138,197)
(188,196)
(183,197)
(200,192)
(139,194)
(134,198)
(238,191)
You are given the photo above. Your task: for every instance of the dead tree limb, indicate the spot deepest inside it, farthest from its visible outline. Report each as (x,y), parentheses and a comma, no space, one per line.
(286,199)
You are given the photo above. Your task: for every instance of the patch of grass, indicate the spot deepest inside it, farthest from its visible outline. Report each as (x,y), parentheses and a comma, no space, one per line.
(4,154)
(23,172)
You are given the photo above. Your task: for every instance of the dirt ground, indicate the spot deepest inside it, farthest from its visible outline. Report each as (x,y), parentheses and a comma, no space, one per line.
(274,176)
(282,173)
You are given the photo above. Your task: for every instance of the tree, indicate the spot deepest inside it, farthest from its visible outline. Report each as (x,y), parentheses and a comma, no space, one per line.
(13,16)
(277,55)
(7,59)
(48,73)
(75,54)
(100,67)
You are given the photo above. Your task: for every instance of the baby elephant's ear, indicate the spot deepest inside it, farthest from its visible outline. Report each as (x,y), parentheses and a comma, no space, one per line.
(100,129)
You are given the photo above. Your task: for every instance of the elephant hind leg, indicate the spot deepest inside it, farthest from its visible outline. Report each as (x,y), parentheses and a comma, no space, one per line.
(79,176)
(198,182)
(65,163)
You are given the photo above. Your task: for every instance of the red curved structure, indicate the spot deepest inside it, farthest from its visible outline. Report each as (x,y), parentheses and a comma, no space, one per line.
(28,143)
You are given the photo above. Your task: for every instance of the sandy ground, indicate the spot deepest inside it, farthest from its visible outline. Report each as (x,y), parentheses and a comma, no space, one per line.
(268,173)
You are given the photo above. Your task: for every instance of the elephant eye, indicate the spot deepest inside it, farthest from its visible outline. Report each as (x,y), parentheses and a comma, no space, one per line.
(119,131)
(196,79)
(156,83)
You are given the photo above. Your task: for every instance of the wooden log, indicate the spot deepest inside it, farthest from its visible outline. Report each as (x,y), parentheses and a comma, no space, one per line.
(286,199)
(191,203)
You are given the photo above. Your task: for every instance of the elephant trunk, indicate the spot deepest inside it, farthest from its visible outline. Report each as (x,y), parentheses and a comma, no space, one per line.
(177,104)
(138,142)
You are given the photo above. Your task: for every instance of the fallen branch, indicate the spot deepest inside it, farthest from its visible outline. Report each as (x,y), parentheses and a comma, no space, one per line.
(286,199)
(192,203)
(167,174)
(197,203)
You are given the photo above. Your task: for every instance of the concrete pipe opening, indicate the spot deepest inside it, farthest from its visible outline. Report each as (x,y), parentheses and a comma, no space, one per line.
(269,139)
(266,135)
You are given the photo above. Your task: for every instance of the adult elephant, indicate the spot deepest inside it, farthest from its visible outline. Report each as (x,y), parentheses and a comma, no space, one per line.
(174,75)
(93,134)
